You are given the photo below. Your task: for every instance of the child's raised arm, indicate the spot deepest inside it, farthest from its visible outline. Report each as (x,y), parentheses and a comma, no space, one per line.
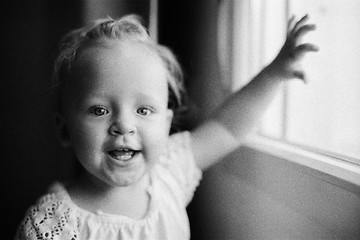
(235,119)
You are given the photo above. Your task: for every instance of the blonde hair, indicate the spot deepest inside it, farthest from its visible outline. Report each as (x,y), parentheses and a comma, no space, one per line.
(127,28)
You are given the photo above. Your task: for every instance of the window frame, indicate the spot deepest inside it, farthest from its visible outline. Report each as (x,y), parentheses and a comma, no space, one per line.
(331,165)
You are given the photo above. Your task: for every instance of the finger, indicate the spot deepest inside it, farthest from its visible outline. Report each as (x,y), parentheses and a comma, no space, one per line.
(299,23)
(303,31)
(290,24)
(302,49)
(307,47)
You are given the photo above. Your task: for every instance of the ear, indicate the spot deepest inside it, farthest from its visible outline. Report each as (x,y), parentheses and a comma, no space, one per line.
(62,130)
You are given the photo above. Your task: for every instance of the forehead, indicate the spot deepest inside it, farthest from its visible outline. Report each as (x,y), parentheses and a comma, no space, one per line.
(114,62)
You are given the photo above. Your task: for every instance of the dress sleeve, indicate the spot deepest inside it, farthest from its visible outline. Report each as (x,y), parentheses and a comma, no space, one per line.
(48,219)
(181,165)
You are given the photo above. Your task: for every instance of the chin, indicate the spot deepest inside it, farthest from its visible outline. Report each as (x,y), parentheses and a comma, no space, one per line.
(128,179)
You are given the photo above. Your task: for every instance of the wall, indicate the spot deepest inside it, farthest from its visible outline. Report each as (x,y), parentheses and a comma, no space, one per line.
(94,9)
(189,29)
(252,195)
(31,158)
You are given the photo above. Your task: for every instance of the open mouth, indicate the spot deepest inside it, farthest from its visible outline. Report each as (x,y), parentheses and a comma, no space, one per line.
(124,154)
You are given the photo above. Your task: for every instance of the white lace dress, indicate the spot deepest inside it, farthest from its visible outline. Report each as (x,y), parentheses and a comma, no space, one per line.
(172,185)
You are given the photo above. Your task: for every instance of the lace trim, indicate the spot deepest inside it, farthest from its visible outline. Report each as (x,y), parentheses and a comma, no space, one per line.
(49,219)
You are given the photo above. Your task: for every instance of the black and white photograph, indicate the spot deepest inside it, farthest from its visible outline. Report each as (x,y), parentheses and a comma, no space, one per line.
(181,119)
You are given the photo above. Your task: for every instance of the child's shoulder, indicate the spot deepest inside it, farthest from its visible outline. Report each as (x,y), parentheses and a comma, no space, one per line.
(55,197)
(177,168)
(179,146)
(51,215)
(180,139)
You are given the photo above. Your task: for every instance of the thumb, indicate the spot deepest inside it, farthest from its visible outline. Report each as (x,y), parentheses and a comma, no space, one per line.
(300,75)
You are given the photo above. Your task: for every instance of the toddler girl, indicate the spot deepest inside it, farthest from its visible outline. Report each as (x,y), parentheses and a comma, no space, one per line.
(118,94)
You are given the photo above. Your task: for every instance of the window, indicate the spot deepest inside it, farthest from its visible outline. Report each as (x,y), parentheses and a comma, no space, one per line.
(331,102)
(323,116)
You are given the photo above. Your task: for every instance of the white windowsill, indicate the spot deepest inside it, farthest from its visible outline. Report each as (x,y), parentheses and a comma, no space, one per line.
(347,171)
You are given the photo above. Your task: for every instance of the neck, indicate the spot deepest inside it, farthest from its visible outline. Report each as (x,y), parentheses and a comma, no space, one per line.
(93,195)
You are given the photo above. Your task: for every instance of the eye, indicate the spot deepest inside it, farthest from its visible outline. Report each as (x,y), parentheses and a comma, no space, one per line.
(99,111)
(144,111)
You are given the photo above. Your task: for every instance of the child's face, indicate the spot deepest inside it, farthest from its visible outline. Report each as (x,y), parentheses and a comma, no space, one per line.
(115,111)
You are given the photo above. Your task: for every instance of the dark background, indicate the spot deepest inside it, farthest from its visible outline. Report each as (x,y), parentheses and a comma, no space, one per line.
(31,156)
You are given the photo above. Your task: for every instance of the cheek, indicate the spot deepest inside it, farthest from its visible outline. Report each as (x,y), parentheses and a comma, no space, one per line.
(156,139)
(86,138)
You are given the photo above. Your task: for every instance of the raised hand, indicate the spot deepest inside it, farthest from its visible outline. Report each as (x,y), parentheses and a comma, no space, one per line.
(288,61)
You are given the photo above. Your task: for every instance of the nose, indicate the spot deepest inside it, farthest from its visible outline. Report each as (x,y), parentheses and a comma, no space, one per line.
(122,126)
